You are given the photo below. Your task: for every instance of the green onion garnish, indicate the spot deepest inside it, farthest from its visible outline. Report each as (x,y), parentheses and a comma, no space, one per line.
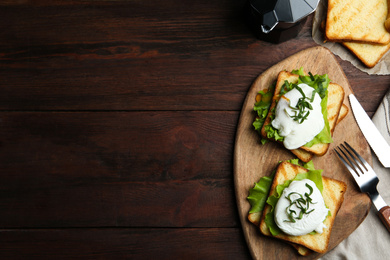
(301,109)
(302,203)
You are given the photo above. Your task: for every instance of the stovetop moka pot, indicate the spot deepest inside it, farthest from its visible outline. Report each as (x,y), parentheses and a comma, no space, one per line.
(278,20)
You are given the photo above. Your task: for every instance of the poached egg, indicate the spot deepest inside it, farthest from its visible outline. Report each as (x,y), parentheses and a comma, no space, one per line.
(309,222)
(297,134)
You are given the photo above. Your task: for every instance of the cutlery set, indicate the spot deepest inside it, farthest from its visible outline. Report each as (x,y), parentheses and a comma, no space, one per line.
(365,177)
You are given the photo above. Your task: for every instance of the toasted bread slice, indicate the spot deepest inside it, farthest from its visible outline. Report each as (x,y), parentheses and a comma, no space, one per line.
(335,101)
(333,194)
(302,250)
(254,218)
(357,21)
(368,54)
(343,113)
(303,155)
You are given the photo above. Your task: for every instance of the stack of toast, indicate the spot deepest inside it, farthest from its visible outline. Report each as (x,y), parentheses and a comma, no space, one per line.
(333,194)
(359,26)
(336,112)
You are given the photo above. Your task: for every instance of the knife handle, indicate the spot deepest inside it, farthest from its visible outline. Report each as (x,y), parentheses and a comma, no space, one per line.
(384,215)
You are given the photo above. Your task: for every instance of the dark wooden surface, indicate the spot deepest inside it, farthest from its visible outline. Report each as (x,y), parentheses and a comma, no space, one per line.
(117,126)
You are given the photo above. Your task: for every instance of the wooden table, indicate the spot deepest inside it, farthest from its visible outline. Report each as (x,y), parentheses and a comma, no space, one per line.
(117,126)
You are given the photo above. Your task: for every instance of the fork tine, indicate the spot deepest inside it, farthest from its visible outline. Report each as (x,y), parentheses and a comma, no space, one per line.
(343,160)
(349,165)
(350,168)
(356,163)
(366,165)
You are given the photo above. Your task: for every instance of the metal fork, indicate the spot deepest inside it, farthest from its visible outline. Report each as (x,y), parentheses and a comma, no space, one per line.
(366,179)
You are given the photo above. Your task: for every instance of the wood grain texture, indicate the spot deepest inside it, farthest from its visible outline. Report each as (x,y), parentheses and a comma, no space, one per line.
(384,214)
(92,169)
(123,243)
(252,160)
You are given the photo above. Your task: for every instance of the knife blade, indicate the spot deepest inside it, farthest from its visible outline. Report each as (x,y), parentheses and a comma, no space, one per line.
(370,132)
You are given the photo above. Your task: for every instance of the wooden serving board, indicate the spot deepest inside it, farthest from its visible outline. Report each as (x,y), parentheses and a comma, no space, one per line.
(253,160)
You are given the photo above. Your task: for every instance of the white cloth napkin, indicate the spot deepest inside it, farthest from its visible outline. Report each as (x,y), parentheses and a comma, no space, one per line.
(371,240)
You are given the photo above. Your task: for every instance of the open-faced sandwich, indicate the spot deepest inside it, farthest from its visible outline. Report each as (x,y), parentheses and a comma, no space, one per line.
(298,205)
(301,112)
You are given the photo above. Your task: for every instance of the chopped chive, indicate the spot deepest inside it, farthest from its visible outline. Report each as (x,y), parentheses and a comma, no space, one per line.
(310,189)
(302,203)
(301,91)
(313,95)
(301,106)
(303,118)
(311,76)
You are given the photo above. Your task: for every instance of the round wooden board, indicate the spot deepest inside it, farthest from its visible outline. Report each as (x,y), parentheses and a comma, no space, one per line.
(253,160)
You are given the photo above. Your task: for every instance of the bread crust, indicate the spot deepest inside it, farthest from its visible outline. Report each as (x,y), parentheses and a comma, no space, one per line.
(368,54)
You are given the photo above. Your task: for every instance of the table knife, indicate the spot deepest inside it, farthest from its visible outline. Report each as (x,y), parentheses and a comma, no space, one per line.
(370,132)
